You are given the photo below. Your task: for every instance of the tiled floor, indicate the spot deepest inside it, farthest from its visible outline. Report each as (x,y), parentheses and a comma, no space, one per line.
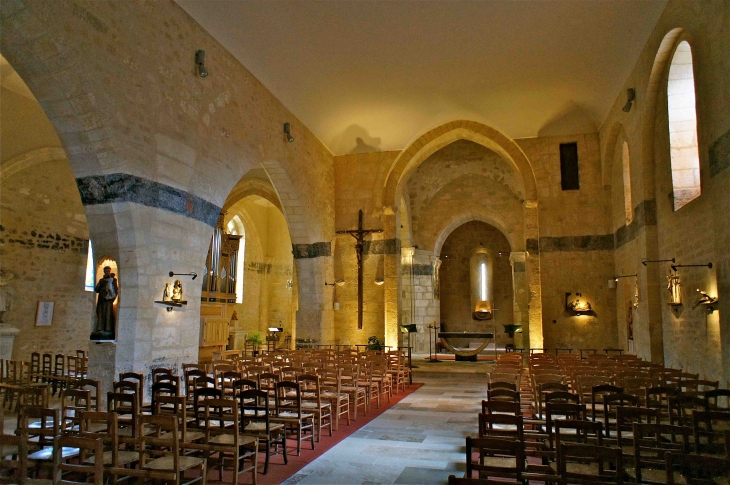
(418,441)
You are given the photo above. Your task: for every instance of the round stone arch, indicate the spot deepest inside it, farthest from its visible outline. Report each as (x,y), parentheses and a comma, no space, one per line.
(439,137)
(482,216)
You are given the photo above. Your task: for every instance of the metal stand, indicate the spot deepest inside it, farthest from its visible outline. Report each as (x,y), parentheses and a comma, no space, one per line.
(433,357)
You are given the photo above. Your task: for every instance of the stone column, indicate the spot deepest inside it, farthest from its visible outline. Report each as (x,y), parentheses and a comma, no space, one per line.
(521,295)
(315,316)
(427,309)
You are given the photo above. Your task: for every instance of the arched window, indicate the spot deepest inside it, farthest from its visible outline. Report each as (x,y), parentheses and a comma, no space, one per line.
(235,227)
(683,127)
(482,278)
(89,282)
(626,163)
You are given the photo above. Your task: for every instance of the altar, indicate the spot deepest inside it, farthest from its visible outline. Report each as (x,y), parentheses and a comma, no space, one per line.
(465,354)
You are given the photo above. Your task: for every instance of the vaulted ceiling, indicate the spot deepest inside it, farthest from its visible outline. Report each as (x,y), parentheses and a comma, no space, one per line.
(374,75)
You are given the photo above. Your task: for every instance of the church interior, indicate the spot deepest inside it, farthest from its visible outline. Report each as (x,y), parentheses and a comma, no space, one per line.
(314,174)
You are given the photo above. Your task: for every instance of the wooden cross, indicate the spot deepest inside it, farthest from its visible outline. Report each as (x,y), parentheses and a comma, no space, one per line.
(359,236)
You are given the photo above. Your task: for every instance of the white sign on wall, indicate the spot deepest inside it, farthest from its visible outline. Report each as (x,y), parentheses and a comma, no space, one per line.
(44,315)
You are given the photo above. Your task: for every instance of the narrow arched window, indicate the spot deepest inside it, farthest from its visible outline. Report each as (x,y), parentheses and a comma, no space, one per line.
(235,227)
(481,268)
(89,282)
(483,281)
(683,127)
(626,163)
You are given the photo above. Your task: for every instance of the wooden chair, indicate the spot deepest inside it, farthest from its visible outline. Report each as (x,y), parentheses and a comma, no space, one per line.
(139,379)
(73,403)
(506,426)
(651,444)
(256,420)
(454,480)
(681,408)
(312,402)
(506,395)
(708,429)
(290,413)
(626,416)
(331,387)
(717,400)
(127,410)
(696,469)
(610,403)
(597,393)
(90,463)
(501,407)
(92,386)
(603,458)
(177,406)
(40,435)
(223,443)
(160,455)
(13,454)
(103,426)
(494,457)
(357,393)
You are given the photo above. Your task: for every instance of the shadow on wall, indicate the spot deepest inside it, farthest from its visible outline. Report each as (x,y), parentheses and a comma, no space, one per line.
(571,119)
(357,135)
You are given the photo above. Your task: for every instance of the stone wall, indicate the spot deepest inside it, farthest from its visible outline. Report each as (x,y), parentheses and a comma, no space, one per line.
(696,233)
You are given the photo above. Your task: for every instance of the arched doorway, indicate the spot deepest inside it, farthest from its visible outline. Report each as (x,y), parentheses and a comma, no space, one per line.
(250,283)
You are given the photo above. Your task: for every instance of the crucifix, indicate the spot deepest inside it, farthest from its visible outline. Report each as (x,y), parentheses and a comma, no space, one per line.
(359,236)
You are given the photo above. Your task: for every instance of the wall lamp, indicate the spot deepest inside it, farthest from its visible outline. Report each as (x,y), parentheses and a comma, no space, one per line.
(193,274)
(705,299)
(645,261)
(675,266)
(616,278)
(200,62)
(287,132)
(630,97)
(337,282)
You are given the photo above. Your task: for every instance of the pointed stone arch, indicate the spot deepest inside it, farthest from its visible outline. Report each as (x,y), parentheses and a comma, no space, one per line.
(483,216)
(439,137)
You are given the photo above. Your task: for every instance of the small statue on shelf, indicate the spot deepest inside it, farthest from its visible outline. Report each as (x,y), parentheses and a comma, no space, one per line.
(674,287)
(167,293)
(704,299)
(177,291)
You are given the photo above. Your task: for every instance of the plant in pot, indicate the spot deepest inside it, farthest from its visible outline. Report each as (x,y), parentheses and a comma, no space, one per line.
(255,339)
(374,344)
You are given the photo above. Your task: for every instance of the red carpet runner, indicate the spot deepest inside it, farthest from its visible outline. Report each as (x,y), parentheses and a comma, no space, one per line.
(278,472)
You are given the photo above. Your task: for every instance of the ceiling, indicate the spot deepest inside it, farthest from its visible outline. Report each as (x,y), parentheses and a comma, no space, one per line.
(374,75)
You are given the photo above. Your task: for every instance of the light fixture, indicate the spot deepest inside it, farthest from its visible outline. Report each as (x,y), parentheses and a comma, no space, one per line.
(645,261)
(578,306)
(200,62)
(192,273)
(287,132)
(337,282)
(379,281)
(616,278)
(675,266)
(705,299)
(630,97)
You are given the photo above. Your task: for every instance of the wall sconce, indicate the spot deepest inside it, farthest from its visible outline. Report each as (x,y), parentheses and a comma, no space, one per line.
(287,132)
(645,261)
(630,97)
(675,266)
(705,299)
(337,282)
(200,62)
(379,281)
(578,306)
(193,274)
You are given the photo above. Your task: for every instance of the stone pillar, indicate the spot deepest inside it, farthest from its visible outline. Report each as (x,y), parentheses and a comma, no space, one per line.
(315,316)
(427,310)
(521,295)
(7,337)
(391,272)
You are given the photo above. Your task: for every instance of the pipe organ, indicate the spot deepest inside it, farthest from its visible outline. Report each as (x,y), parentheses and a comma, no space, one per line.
(219,291)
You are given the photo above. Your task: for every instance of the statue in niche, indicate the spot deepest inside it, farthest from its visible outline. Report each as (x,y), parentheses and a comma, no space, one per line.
(674,287)
(167,293)
(177,291)
(107,290)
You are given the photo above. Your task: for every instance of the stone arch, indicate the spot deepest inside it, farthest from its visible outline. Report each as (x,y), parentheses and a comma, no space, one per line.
(250,187)
(482,216)
(439,137)
(616,134)
(658,74)
(31,158)
(291,205)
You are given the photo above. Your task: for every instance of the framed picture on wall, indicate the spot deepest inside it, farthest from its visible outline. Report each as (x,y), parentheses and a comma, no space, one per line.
(44,314)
